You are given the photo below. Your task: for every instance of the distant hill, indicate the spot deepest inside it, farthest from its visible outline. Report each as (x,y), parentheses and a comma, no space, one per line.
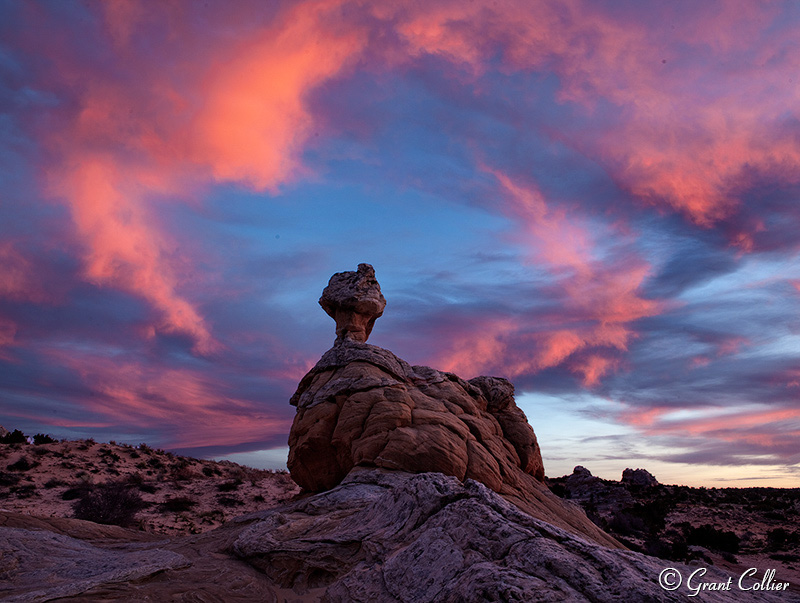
(163,492)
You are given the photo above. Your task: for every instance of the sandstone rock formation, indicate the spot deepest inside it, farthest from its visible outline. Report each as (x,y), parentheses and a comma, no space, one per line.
(392,536)
(362,406)
(354,300)
(638,477)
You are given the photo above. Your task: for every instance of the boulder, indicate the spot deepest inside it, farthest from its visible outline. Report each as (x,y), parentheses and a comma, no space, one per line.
(362,405)
(638,477)
(354,300)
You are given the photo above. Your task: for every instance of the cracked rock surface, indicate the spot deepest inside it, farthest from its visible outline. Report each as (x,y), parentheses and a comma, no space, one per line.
(392,536)
(39,565)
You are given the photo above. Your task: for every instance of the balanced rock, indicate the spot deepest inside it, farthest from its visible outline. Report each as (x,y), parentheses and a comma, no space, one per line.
(354,300)
(362,406)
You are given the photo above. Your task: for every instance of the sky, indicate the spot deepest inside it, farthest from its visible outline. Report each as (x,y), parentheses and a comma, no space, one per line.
(596,200)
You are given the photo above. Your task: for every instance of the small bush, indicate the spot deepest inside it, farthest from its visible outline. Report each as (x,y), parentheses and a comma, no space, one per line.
(41,438)
(229,501)
(229,486)
(711,538)
(75,492)
(8,479)
(54,483)
(22,464)
(179,504)
(111,504)
(148,488)
(15,437)
(25,491)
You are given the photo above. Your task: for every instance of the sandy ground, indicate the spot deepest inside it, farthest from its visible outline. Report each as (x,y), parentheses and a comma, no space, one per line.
(183,495)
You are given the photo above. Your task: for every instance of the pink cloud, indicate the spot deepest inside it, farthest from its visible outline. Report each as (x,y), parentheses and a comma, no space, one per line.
(600,300)
(186,405)
(699,104)
(768,428)
(18,280)
(218,108)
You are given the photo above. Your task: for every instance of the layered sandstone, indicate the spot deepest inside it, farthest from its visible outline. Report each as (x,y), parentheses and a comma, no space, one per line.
(362,406)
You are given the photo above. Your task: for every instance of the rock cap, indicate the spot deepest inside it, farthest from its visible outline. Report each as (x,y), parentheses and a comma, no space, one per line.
(354,300)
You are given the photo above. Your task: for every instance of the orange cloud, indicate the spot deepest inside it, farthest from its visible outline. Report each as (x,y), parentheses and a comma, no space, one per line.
(254,122)
(221,108)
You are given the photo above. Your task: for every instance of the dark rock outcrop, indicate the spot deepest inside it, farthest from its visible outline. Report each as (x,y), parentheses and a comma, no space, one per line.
(638,477)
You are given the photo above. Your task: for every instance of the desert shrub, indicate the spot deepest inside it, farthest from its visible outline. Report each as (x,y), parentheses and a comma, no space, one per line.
(178,504)
(182,471)
(148,488)
(15,437)
(25,491)
(8,479)
(259,498)
(41,438)
(114,503)
(54,483)
(210,471)
(109,457)
(780,538)
(785,557)
(229,501)
(134,455)
(22,464)
(664,549)
(626,523)
(229,486)
(75,492)
(135,479)
(711,538)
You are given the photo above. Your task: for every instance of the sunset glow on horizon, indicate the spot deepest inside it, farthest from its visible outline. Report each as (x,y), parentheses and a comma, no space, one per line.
(599,201)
